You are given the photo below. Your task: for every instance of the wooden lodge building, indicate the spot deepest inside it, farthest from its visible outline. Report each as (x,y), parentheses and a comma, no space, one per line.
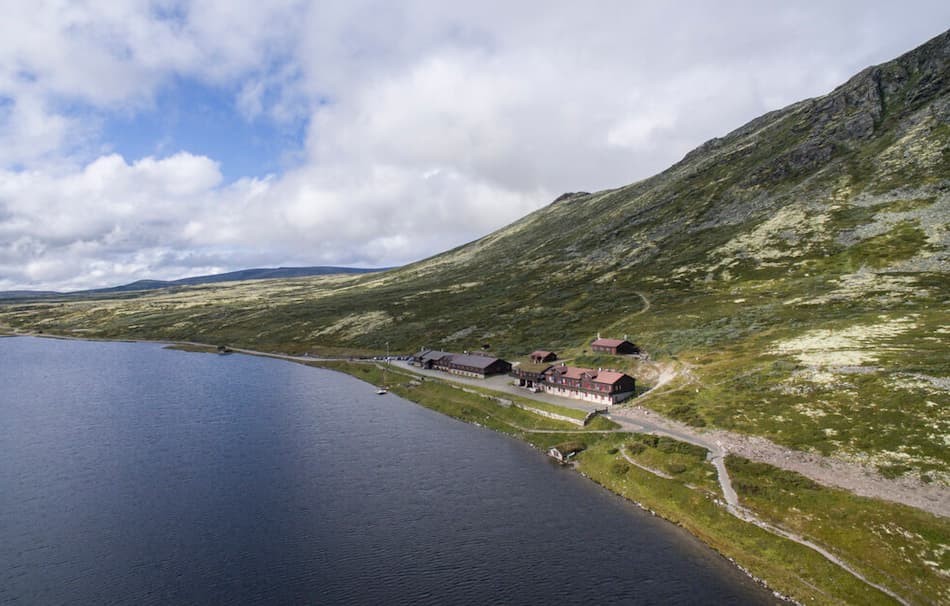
(429,358)
(614,346)
(603,386)
(465,364)
(530,376)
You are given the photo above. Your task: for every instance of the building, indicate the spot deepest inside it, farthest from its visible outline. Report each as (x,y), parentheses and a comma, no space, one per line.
(530,375)
(541,356)
(472,365)
(614,346)
(604,386)
(429,358)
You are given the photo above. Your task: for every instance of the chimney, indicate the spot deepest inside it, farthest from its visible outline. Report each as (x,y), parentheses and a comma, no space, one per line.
(625,337)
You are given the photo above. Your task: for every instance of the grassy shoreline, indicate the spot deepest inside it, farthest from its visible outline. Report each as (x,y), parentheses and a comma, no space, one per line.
(790,570)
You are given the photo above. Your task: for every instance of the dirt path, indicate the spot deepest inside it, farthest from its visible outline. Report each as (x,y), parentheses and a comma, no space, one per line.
(646,304)
(859,479)
(747,516)
(737,510)
(827,471)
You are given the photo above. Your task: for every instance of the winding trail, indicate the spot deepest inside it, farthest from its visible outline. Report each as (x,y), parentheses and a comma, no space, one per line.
(646,304)
(716,455)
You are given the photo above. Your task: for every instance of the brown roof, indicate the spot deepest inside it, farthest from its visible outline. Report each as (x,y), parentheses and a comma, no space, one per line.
(575,372)
(609,377)
(541,354)
(610,342)
(473,360)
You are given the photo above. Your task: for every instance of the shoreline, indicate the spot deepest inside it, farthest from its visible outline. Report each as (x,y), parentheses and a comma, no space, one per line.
(829,471)
(653,505)
(578,467)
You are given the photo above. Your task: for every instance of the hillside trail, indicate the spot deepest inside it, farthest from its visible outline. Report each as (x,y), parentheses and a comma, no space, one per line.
(859,479)
(737,510)
(646,304)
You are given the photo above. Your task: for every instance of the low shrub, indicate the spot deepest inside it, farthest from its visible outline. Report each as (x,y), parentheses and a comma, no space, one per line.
(636,448)
(892,471)
(619,468)
(670,446)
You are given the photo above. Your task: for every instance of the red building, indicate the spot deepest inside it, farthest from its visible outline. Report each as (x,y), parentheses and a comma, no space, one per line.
(530,375)
(614,346)
(605,386)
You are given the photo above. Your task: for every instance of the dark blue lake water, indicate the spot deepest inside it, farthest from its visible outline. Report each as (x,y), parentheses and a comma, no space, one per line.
(130,474)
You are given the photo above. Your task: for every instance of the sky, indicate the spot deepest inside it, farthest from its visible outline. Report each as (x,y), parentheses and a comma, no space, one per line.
(163,139)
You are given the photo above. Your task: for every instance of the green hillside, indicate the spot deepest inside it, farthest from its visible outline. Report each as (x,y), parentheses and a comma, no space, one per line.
(795,273)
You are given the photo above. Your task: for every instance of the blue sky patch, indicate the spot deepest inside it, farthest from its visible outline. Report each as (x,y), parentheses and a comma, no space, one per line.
(187,115)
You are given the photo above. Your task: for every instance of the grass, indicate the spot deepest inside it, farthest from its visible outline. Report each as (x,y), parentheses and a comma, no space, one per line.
(789,568)
(686,462)
(478,408)
(553,408)
(899,547)
(689,499)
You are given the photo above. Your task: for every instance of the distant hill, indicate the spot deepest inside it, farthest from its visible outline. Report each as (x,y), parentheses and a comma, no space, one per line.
(27,294)
(257,273)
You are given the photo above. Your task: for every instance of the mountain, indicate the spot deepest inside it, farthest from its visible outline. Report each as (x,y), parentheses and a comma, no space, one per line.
(259,273)
(794,273)
(789,281)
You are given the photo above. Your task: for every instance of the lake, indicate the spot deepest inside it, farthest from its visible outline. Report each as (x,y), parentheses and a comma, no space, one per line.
(132,474)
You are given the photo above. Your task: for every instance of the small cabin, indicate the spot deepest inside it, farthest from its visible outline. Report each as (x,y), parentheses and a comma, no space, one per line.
(614,346)
(541,356)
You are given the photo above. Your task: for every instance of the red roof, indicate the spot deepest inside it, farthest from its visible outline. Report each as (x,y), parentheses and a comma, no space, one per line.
(609,377)
(575,372)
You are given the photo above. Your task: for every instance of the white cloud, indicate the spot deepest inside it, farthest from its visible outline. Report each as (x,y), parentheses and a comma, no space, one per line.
(428,123)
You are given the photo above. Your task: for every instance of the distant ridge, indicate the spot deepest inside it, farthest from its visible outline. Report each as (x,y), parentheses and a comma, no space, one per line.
(257,273)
